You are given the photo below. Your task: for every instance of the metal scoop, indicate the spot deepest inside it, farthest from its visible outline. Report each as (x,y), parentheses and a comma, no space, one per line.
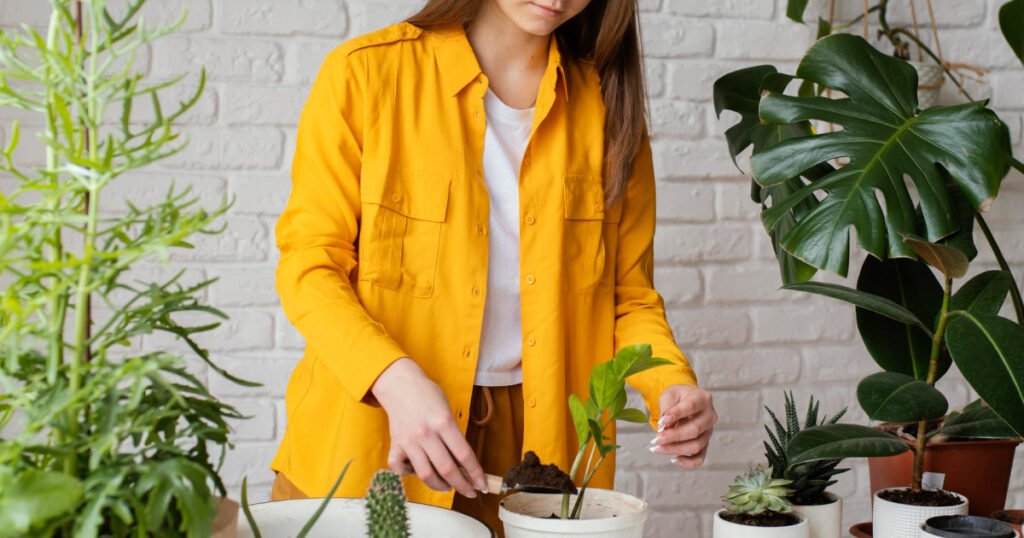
(496,484)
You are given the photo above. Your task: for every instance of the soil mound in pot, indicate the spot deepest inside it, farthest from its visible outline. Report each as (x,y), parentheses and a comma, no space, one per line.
(765,519)
(920,498)
(530,472)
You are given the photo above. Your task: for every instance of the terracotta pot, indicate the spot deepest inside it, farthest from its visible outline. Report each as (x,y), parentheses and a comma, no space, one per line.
(979,470)
(1008,517)
(225,523)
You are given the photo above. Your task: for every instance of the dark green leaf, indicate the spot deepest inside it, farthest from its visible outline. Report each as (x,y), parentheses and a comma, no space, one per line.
(868,301)
(893,397)
(824,28)
(838,441)
(32,497)
(948,260)
(795,10)
(989,351)
(897,346)
(977,422)
(1011,22)
(886,139)
(632,415)
(983,294)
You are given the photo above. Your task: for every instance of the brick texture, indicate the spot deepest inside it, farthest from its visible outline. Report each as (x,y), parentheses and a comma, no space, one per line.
(748,341)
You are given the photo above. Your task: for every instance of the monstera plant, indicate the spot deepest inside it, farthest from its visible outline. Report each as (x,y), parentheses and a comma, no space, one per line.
(911,184)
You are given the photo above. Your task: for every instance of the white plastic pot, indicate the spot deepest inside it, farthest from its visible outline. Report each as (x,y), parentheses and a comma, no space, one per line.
(824,520)
(895,520)
(606,514)
(929,83)
(346,518)
(728,529)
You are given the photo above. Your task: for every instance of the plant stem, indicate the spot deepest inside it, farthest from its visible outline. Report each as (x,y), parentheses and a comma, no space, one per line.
(1018,304)
(933,372)
(572,475)
(55,306)
(1017,164)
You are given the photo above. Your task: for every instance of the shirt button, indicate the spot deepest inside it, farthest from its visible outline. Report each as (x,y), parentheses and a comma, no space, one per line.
(476,291)
(467,353)
(530,219)
(480,230)
(530,279)
(531,341)
(598,206)
(532,402)
(396,197)
(526,161)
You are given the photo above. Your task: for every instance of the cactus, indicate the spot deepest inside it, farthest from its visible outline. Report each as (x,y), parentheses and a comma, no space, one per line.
(385,506)
(757,492)
(810,480)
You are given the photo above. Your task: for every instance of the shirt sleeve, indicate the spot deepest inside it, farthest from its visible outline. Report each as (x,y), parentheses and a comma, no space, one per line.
(317,232)
(639,308)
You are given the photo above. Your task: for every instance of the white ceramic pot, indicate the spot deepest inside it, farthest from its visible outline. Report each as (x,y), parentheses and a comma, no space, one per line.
(895,520)
(929,83)
(824,520)
(728,529)
(606,514)
(346,518)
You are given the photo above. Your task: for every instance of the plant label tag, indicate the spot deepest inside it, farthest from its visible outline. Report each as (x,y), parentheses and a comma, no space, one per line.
(932,480)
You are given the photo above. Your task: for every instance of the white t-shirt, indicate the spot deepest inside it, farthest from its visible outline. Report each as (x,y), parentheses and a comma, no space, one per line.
(501,344)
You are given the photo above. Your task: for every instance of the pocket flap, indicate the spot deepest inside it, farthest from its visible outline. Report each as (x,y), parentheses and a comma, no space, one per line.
(414,193)
(584,197)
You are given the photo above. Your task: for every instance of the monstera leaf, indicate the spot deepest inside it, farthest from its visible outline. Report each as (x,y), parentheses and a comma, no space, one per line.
(740,92)
(889,143)
(1011,22)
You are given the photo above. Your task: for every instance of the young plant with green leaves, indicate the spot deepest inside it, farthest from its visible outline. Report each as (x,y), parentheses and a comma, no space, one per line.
(912,183)
(308,526)
(757,492)
(100,437)
(606,404)
(807,480)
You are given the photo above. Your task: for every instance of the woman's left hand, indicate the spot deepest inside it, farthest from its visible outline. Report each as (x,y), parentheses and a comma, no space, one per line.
(687,419)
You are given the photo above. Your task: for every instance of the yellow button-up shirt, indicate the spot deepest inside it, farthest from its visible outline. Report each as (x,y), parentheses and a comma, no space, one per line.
(384,252)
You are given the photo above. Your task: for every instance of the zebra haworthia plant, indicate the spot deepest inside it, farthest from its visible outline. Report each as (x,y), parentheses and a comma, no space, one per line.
(808,480)
(100,437)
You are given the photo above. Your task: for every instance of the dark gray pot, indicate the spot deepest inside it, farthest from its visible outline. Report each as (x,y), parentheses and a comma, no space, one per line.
(967,527)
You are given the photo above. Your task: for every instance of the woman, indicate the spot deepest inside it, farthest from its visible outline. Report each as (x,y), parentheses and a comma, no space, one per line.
(470,231)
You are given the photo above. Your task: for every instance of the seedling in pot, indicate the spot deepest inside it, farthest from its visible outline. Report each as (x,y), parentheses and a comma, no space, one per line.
(808,480)
(607,403)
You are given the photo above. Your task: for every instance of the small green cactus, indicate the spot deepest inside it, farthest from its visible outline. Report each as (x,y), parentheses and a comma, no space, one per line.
(385,506)
(757,492)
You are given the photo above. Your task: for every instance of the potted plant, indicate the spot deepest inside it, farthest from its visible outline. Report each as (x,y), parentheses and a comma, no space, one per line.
(757,505)
(595,511)
(810,481)
(904,315)
(384,513)
(101,437)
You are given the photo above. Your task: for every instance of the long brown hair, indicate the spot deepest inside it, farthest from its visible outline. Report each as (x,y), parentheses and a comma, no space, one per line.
(606,33)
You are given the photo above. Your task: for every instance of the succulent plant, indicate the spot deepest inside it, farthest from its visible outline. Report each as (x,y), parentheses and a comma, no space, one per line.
(757,492)
(385,505)
(810,480)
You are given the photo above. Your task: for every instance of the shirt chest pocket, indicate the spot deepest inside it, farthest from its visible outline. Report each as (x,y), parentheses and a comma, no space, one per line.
(403,211)
(590,233)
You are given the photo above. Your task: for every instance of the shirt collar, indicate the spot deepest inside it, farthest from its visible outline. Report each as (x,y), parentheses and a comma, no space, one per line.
(459,66)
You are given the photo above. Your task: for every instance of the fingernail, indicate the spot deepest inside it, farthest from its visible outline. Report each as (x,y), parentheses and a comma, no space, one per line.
(654,449)
(663,422)
(675,459)
(654,441)
(482,486)
(472,494)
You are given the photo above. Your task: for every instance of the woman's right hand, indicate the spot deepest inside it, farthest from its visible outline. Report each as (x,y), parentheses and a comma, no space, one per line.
(424,432)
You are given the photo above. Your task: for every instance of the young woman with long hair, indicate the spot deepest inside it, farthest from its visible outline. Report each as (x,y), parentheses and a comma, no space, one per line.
(469,231)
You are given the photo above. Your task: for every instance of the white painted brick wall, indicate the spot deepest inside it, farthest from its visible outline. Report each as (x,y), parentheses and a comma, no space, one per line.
(748,341)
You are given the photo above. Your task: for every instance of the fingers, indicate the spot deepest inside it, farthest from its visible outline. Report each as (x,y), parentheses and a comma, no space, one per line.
(690,403)
(688,430)
(688,449)
(424,469)
(398,461)
(464,457)
(447,468)
(690,462)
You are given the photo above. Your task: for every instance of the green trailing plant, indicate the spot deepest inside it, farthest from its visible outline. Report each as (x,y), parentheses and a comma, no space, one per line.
(912,183)
(757,492)
(807,480)
(606,404)
(385,507)
(100,437)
